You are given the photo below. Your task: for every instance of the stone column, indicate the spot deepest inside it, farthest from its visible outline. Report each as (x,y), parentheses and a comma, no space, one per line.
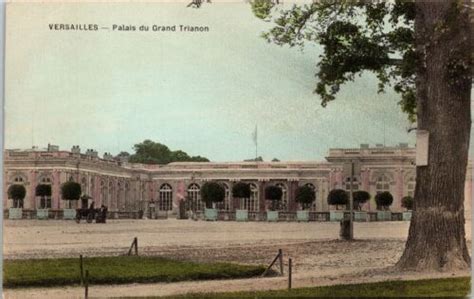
(261,195)
(30,199)
(56,190)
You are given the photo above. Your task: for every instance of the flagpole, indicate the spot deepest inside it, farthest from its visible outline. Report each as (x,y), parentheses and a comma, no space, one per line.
(256,143)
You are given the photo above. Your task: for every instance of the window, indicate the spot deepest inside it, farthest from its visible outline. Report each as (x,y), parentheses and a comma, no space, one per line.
(165,198)
(382,184)
(355,184)
(227,203)
(194,194)
(18,179)
(252,203)
(284,197)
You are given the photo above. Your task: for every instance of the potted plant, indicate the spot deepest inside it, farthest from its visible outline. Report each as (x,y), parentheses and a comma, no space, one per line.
(211,192)
(337,197)
(240,191)
(70,191)
(44,192)
(359,198)
(384,200)
(274,194)
(17,193)
(305,195)
(407,203)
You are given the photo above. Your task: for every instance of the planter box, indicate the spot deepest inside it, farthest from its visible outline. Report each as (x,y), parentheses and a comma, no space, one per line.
(15,213)
(302,216)
(241,215)
(384,216)
(272,215)
(336,215)
(42,214)
(360,216)
(406,216)
(210,214)
(69,214)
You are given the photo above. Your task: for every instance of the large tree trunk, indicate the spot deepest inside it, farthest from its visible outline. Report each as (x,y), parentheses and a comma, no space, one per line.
(436,239)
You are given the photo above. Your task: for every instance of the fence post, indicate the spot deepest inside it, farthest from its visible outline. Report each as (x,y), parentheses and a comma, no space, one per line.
(136,246)
(289,274)
(280,253)
(86,295)
(81,267)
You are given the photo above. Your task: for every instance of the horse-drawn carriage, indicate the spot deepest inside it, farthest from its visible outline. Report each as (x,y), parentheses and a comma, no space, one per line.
(100,215)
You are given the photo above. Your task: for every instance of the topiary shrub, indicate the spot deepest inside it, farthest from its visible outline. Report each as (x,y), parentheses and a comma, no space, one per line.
(273,193)
(383,200)
(17,193)
(71,191)
(360,197)
(305,195)
(407,202)
(240,190)
(212,192)
(337,197)
(43,191)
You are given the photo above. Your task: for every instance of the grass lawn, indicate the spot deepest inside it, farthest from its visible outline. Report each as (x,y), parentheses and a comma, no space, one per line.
(449,287)
(117,270)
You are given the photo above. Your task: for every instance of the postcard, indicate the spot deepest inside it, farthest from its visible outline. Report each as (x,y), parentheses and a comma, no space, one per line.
(237,148)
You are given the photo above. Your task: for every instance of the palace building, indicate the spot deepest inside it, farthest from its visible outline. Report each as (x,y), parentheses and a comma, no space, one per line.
(123,186)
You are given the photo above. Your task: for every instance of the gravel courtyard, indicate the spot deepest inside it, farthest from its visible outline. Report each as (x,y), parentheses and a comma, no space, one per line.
(318,256)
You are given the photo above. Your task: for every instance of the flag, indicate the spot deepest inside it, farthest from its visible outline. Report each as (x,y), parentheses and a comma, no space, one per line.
(254,135)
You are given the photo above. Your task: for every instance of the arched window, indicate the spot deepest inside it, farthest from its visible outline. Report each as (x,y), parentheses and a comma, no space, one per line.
(165,198)
(45,180)
(18,179)
(252,203)
(226,204)
(45,201)
(382,184)
(284,197)
(410,189)
(194,194)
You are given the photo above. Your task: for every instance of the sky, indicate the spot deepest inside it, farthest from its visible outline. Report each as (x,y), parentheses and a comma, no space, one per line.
(203,93)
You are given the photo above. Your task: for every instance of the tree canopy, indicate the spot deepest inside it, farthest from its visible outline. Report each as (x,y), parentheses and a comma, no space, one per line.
(212,192)
(71,190)
(357,36)
(150,152)
(360,197)
(273,193)
(43,190)
(16,192)
(241,190)
(338,197)
(305,195)
(384,200)
(407,202)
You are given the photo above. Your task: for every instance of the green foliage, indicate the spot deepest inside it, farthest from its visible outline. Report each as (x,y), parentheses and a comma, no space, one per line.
(273,193)
(384,199)
(357,36)
(16,192)
(305,195)
(71,190)
(338,197)
(212,192)
(445,287)
(149,152)
(407,202)
(241,190)
(117,270)
(43,190)
(360,197)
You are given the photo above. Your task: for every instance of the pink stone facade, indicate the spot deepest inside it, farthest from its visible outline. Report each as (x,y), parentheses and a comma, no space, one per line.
(124,186)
